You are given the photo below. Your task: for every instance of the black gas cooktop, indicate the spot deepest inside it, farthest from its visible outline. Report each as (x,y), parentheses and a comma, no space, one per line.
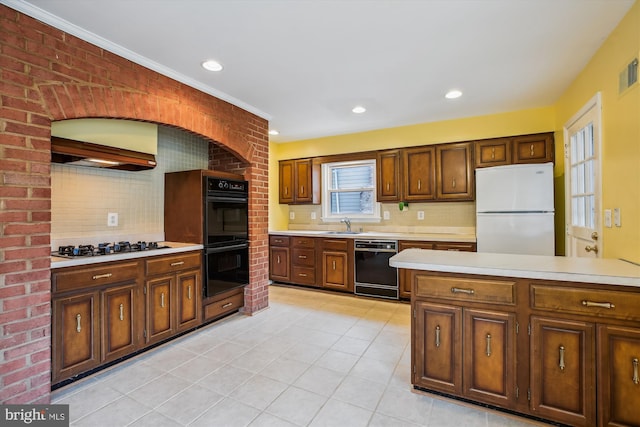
(106,249)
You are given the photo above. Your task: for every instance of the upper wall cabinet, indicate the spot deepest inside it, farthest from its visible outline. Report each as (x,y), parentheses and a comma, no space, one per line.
(389,175)
(536,148)
(432,172)
(299,182)
(455,178)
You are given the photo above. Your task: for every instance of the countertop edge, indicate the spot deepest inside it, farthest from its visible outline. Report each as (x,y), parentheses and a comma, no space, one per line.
(435,237)
(515,266)
(175,248)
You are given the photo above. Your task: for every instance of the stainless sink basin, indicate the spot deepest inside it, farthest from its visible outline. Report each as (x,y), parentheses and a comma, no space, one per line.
(343,232)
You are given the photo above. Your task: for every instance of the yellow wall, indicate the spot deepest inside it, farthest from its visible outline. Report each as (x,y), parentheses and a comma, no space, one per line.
(467,129)
(620,132)
(620,139)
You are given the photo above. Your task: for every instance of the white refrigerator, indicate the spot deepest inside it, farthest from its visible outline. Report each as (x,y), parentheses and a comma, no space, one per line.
(514,209)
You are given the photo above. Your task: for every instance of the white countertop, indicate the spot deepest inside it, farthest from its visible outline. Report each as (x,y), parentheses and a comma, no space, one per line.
(435,237)
(174,248)
(585,270)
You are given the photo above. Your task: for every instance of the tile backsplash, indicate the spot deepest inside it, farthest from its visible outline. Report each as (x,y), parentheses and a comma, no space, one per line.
(444,216)
(82,197)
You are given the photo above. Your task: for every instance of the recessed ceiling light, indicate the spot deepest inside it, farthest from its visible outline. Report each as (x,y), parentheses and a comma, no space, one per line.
(359,109)
(273,132)
(453,94)
(212,65)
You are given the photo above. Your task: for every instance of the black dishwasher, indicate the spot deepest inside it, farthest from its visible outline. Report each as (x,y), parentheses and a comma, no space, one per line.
(374,276)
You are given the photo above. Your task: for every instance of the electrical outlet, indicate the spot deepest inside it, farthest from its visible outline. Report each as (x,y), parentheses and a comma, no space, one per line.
(607,218)
(112,219)
(386,215)
(292,215)
(420,215)
(313,215)
(616,217)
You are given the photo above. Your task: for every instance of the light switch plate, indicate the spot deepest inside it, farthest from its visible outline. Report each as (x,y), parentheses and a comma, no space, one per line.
(616,217)
(386,215)
(112,219)
(420,215)
(607,218)
(292,215)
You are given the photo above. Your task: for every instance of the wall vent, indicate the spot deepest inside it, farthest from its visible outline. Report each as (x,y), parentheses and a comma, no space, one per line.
(628,76)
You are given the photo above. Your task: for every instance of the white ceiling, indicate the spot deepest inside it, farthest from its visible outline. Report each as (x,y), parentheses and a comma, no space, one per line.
(303,64)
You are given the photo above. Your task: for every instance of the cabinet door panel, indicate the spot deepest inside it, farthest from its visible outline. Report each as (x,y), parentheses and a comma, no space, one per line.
(455,172)
(279,264)
(118,324)
(76,343)
(619,376)
(533,148)
(489,357)
(302,178)
(563,370)
(286,187)
(188,311)
(388,176)
(159,298)
(335,270)
(438,347)
(420,174)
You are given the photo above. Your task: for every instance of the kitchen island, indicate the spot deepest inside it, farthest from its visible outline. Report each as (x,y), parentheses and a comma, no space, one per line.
(548,337)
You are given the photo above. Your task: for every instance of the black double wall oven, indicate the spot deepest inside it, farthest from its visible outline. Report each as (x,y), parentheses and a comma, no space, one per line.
(226,235)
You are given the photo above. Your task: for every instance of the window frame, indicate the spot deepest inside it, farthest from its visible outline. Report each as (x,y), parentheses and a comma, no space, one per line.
(327,216)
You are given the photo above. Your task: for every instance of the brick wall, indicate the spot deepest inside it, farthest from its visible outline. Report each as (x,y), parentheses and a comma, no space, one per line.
(46,75)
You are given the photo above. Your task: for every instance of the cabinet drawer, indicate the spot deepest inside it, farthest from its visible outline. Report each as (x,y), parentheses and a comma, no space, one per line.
(303,242)
(454,288)
(335,244)
(455,246)
(303,275)
(104,274)
(279,240)
(593,302)
(226,305)
(168,264)
(303,257)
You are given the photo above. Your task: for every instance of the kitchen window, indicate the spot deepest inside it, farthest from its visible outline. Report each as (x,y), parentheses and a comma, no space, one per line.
(349,190)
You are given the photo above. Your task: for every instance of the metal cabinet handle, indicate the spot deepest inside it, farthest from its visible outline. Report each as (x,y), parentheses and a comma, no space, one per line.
(286,191)
(462,291)
(438,336)
(532,150)
(387,185)
(419,184)
(635,378)
(493,153)
(102,276)
(453,183)
(162,300)
(598,304)
(302,274)
(121,311)
(334,265)
(488,344)
(229,304)
(278,241)
(302,189)
(302,256)
(278,259)
(561,364)
(78,325)
(593,248)
(189,292)
(175,264)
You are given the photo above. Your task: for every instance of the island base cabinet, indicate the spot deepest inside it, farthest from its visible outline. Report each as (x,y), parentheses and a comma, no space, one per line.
(619,376)
(437,344)
(563,370)
(489,359)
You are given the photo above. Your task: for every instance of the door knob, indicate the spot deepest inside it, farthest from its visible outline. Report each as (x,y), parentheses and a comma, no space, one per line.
(593,248)
(594,235)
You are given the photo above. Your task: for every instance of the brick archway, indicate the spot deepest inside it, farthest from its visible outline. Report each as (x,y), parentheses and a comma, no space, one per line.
(49,75)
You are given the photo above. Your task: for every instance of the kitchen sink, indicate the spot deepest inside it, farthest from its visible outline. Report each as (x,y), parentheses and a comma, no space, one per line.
(343,232)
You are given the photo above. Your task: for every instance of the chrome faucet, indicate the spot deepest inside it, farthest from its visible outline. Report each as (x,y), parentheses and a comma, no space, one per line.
(347,222)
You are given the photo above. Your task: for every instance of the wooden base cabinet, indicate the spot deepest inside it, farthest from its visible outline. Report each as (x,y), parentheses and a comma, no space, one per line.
(563,375)
(119,321)
(619,376)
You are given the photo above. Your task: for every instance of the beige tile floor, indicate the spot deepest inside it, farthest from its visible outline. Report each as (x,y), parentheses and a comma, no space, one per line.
(311,359)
